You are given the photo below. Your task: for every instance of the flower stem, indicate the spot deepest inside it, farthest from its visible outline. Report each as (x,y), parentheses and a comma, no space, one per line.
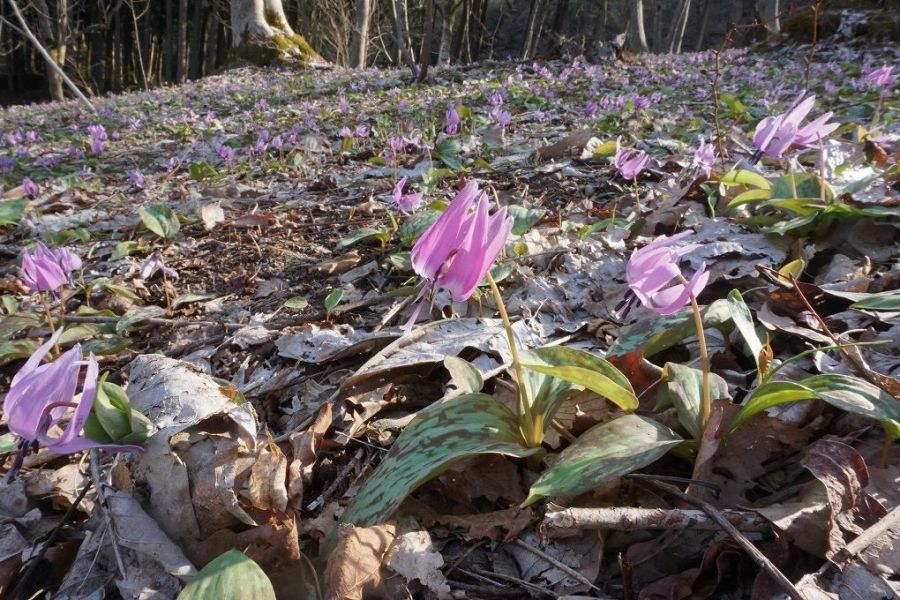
(531,430)
(706,405)
(50,323)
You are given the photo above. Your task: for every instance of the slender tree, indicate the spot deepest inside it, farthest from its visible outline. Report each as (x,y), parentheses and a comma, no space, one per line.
(359,41)
(637,35)
(677,35)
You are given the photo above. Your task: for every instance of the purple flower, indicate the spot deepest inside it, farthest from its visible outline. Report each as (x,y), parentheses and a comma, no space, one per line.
(30,188)
(881,77)
(590,109)
(278,143)
(407,203)
(136,179)
(362,131)
(343,105)
(704,157)
(41,269)
(451,121)
(40,395)
(629,162)
(501,117)
(457,250)
(156,263)
(651,269)
(774,135)
(345,132)
(496,99)
(67,260)
(226,153)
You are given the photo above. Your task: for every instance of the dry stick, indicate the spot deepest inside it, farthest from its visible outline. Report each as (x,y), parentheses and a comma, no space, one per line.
(716,515)
(867,537)
(815,38)
(50,62)
(559,565)
(626,518)
(36,559)
(104,509)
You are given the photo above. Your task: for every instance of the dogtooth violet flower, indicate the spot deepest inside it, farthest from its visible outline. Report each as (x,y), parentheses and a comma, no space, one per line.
(406,202)
(156,263)
(651,270)
(40,395)
(881,77)
(457,250)
(30,187)
(774,135)
(45,270)
(629,162)
(704,157)
(451,121)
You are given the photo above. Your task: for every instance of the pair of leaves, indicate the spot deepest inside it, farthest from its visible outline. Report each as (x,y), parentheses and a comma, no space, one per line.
(113,420)
(682,387)
(161,220)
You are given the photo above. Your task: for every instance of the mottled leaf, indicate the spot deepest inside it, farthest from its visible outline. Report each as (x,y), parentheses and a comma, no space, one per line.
(465,376)
(743,320)
(683,388)
(160,219)
(367,234)
(231,575)
(652,336)
(437,437)
(11,211)
(524,218)
(604,452)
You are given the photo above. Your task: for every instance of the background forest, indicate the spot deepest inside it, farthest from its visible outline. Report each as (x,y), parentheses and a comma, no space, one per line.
(113,45)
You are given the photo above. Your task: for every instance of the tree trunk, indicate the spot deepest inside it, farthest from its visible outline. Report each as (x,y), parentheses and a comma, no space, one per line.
(448,16)
(212,42)
(427,39)
(637,36)
(195,55)
(704,21)
(53,29)
(534,10)
(170,49)
(398,12)
(769,10)
(359,42)
(684,10)
(260,32)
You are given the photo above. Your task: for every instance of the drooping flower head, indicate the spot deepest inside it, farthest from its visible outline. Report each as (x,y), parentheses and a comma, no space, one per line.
(156,263)
(451,121)
(45,270)
(774,135)
(30,188)
(457,250)
(407,203)
(704,157)
(650,273)
(629,162)
(40,396)
(882,77)
(137,180)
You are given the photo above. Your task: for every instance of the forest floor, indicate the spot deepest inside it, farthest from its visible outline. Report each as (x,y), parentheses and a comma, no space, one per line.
(269,357)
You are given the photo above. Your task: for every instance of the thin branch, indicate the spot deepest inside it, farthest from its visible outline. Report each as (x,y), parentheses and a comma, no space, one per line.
(626,518)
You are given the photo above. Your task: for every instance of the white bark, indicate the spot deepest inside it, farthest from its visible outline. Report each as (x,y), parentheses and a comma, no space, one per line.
(359,41)
(639,40)
(248,21)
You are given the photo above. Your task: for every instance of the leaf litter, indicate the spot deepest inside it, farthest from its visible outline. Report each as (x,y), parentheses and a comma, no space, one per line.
(277,377)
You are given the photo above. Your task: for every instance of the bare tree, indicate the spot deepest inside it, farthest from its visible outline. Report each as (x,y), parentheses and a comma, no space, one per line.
(359,41)
(427,39)
(54,31)
(256,25)
(637,35)
(401,33)
(531,28)
(677,34)
(181,61)
(448,9)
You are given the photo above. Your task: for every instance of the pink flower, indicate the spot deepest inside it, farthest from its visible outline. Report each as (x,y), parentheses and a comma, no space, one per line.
(651,269)
(136,179)
(406,202)
(457,250)
(156,263)
(774,135)
(629,163)
(30,188)
(704,157)
(451,121)
(41,270)
(881,77)
(40,395)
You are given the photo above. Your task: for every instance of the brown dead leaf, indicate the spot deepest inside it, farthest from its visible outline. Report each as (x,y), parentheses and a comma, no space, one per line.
(341,264)
(267,479)
(570,143)
(642,374)
(356,560)
(497,525)
(718,575)
(413,556)
(254,220)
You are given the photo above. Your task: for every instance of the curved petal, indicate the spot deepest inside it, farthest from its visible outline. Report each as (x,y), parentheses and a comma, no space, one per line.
(434,246)
(675,298)
(82,411)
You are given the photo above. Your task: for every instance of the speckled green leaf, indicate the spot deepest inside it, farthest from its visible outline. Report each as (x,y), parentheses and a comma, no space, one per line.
(232,575)
(842,391)
(652,336)
(437,437)
(583,369)
(16,349)
(367,234)
(603,452)
(743,320)
(683,387)
(160,219)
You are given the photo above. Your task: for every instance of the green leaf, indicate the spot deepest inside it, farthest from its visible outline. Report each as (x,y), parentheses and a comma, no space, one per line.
(842,391)
(10,325)
(415,226)
(793,268)
(190,299)
(435,439)
(10,351)
(232,576)
(123,292)
(683,387)
(887,302)
(333,299)
(124,249)
(11,211)
(8,443)
(745,177)
(806,185)
(113,420)
(202,170)
(604,452)
(106,346)
(138,314)
(10,303)
(743,320)
(367,234)
(78,332)
(583,369)
(160,219)
(465,376)
(753,195)
(296,303)
(652,336)
(524,218)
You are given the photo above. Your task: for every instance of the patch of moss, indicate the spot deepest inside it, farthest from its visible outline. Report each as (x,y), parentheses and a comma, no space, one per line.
(280,48)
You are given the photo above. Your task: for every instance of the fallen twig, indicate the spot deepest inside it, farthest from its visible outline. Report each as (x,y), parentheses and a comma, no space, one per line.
(625,518)
(559,565)
(104,509)
(715,514)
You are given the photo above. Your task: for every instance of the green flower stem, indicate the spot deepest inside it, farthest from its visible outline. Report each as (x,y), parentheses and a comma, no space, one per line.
(706,405)
(532,431)
(50,323)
